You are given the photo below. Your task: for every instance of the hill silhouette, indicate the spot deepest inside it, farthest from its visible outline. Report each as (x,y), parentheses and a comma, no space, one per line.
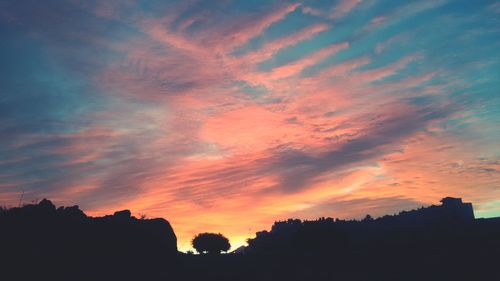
(38,240)
(442,242)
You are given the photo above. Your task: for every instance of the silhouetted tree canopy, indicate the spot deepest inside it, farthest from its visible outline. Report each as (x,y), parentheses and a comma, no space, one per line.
(212,243)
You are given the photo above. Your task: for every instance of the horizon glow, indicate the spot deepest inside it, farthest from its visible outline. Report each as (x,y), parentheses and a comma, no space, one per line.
(225,116)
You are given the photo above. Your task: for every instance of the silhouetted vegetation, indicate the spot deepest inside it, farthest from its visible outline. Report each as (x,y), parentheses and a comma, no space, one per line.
(444,242)
(212,243)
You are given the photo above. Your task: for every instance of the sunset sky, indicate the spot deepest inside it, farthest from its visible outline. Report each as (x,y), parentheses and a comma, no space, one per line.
(224,116)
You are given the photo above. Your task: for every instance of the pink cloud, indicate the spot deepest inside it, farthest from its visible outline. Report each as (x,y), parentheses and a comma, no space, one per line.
(251,26)
(184,140)
(382,72)
(295,67)
(269,49)
(312,11)
(344,7)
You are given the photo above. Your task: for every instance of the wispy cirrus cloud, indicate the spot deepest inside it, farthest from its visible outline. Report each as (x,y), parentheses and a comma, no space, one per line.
(344,7)
(209,112)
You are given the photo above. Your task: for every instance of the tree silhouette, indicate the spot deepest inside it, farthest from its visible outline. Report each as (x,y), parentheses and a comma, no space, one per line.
(212,243)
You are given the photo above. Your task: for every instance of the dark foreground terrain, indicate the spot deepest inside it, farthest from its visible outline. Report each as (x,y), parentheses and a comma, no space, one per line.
(445,242)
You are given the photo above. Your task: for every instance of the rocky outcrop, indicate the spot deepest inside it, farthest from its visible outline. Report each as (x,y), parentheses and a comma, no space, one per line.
(65,240)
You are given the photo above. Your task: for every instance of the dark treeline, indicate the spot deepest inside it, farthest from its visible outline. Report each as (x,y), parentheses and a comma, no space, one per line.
(445,242)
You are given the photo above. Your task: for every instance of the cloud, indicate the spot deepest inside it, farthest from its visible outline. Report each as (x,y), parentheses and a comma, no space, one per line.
(312,11)
(344,7)
(271,48)
(209,112)
(297,168)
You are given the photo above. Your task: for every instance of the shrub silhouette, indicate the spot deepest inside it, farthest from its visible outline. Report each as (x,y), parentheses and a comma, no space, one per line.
(212,243)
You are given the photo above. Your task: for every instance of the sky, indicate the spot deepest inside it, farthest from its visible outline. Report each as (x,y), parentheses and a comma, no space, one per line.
(225,116)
